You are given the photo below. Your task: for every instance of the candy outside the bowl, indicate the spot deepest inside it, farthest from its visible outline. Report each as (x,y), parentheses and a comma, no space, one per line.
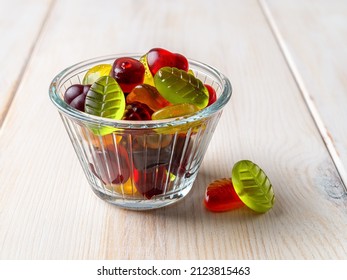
(249,185)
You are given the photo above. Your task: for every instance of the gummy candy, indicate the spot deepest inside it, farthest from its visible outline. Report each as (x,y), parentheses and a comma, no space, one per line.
(181,154)
(75,96)
(126,188)
(152,181)
(175,111)
(98,141)
(95,73)
(212,94)
(141,161)
(153,141)
(148,95)
(111,165)
(148,79)
(158,58)
(248,186)
(221,196)
(177,86)
(151,150)
(144,158)
(128,72)
(105,99)
(137,111)
(253,186)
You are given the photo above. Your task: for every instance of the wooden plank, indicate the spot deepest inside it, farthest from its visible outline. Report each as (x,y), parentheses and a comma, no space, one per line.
(47,210)
(317,58)
(20,25)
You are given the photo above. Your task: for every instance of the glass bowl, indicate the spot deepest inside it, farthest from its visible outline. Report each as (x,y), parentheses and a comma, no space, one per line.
(141,164)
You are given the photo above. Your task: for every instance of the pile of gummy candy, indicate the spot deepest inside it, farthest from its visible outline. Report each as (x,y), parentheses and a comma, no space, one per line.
(157,86)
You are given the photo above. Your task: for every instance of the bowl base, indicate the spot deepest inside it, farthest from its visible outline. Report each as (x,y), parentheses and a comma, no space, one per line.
(142,204)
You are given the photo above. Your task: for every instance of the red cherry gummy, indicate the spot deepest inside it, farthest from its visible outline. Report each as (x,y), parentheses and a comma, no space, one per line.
(180,157)
(151,181)
(220,196)
(75,96)
(112,165)
(158,58)
(128,73)
(137,111)
(212,97)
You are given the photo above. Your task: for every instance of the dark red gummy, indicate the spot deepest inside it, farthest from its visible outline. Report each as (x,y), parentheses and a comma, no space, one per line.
(174,156)
(158,58)
(151,181)
(181,154)
(212,97)
(75,96)
(220,196)
(138,111)
(111,165)
(147,158)
(128,72)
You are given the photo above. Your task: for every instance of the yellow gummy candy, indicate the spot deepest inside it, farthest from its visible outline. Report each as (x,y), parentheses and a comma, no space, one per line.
(96,72)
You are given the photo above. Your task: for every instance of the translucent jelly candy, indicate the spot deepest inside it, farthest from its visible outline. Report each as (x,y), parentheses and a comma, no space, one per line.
(148,95)
(144,158)
(98,141)
(128,72)
(96,72)
(221,196)
(105,99)
(177,86)
(253,186)
(181,155)
(148,79)
(175,111)
(153,141)
(111,165)
(151,150)
(158,58)
(75,96)
(212,95)
(249,186)
(152,181)
(137,111)
(126,188)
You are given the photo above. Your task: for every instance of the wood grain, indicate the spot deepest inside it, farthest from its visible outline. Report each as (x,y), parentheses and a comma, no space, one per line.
(312,37)
(47,210)
(20,25)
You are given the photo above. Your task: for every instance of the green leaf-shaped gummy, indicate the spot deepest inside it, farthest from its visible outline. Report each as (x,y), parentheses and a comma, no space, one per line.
(253,186)
(105,99)
(178,86)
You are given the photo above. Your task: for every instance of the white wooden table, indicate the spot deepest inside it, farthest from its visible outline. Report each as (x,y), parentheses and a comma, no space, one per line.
(287,63)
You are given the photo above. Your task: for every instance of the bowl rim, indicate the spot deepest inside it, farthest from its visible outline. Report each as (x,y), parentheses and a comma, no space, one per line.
(63,107)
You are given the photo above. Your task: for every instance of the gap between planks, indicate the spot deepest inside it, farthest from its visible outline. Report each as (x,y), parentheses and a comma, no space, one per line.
(25,65)
(305,94)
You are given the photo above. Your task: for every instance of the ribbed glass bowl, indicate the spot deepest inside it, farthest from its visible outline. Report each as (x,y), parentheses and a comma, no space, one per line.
(141,164)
